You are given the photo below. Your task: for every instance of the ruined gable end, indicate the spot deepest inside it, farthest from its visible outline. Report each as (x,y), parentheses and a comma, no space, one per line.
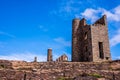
(102,20)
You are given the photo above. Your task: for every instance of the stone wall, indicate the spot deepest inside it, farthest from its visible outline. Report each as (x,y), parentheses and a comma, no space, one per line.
(22,75)
(61,65)
(75,43)
(56,70)
(62,58)
(5,64)
(66,65)
(99,32)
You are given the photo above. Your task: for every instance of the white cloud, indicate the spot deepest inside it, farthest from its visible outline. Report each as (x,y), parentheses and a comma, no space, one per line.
(69,6)
(7,34)
(118,57)
(113,15)
(26,56)
(93,14)
(63,42)
(115,39)
(73,8)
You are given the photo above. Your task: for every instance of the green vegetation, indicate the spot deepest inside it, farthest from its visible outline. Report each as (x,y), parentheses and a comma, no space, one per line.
(63,78)
(24,69)
(96,75)
(110,68)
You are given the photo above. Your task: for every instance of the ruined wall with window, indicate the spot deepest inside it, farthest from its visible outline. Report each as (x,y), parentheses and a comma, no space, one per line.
(62,58)
(90,42)
(100,40)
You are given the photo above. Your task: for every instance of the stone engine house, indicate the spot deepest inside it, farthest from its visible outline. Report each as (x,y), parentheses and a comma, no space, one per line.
(62,58)
(90,42)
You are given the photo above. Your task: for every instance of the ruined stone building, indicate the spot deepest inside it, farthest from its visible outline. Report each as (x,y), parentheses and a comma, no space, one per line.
(90,42)
(62,58)
(49,55)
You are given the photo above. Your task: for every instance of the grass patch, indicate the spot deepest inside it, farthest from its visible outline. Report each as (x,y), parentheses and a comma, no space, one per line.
(63,78)
(110,68)
(96,75)
(29,69)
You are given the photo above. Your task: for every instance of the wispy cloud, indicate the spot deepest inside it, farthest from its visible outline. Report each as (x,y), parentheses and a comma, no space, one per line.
(74,8)
(41,27)
(93,14)
(113,15)
(115,39)
(7,34)
(90,14)
(62,41)
(58,45)
(118,57)
(67,8)
(26,56)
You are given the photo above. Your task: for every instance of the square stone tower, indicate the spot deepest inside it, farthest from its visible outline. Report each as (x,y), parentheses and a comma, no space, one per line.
(90,43)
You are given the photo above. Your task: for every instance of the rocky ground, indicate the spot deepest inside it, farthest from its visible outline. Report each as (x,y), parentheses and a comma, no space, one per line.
(21,70)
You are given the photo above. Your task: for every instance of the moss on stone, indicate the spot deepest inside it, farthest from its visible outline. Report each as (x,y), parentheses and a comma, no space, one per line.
(64,78)
(96,75)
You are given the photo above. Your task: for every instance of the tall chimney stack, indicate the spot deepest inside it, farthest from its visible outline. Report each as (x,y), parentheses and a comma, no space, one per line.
(49,55)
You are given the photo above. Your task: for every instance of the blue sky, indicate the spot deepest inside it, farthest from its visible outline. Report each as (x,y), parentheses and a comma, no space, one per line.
(29,27)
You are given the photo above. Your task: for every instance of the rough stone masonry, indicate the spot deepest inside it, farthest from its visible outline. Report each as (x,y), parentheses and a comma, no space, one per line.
(90,43)
(21,70)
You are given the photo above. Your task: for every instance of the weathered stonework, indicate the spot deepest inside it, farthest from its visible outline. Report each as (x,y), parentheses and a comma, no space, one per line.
(90,42)
(5,64)
(21,70)
(62,58)
(49,55)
